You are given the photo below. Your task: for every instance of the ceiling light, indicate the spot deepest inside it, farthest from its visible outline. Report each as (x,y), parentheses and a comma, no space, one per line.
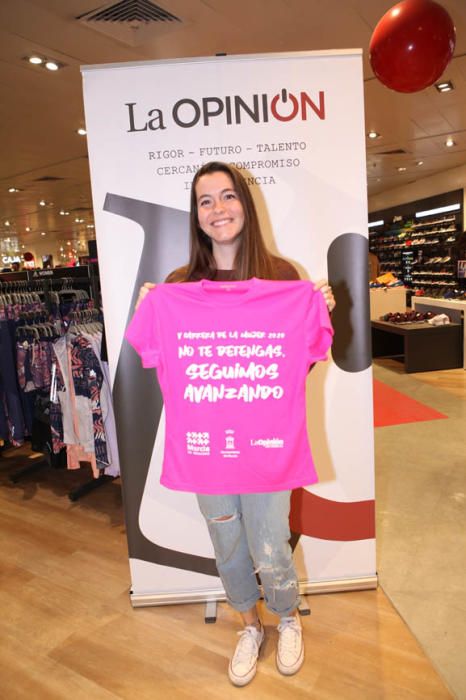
(380,222)
(68,242)
(13,189)
(36,60)
(62,212)
(445,86)
(89,225)
(7,223)
(420,162)
(42,233)
(23,247)
(28,228)
(82,132)
(373,134)
(401,169)
(439,210)
(52,65)
(449,142)
(42,203)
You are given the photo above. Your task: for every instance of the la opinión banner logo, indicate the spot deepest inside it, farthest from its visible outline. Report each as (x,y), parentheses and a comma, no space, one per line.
(285,106)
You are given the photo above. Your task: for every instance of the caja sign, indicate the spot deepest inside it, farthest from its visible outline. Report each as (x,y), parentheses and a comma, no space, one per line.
(285,106)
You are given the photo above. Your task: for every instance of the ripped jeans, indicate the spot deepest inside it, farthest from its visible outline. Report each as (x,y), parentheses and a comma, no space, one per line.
(254,540)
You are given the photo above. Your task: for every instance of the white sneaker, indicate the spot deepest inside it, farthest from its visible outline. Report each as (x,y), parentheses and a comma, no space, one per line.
(243,664)
(290,651)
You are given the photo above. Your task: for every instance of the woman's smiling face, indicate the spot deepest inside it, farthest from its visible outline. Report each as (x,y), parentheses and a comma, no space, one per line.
(219,209)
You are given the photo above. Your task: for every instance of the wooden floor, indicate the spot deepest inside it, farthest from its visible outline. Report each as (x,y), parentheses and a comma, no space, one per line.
(451,380)
(67,629)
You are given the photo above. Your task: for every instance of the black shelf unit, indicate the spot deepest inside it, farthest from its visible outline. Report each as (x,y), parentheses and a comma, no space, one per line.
(420,251)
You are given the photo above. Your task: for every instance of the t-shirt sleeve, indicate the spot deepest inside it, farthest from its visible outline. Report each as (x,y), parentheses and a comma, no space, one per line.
(142,332)
(319,331)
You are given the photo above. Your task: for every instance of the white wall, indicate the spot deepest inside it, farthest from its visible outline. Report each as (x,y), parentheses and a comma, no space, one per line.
(446,181)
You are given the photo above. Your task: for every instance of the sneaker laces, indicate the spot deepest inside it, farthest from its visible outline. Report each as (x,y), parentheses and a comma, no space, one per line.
(248,644)
(290,635)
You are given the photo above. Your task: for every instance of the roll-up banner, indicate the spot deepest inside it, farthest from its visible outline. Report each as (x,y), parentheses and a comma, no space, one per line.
(294,126)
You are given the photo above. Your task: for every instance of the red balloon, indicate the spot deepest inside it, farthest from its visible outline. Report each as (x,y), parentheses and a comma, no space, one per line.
(412,45)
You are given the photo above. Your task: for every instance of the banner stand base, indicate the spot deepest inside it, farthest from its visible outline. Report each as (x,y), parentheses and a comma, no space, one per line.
(210,615)
(212,597)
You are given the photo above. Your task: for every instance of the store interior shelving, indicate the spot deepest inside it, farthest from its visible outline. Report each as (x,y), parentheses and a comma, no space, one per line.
(419,251)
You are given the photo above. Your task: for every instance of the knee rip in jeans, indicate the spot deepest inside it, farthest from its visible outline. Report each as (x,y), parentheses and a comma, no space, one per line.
(225,518)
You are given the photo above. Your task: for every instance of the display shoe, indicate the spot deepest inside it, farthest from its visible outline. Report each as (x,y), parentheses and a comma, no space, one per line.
(290,650)
(243,664)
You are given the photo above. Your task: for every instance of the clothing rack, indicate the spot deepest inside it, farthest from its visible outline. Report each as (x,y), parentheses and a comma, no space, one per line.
(49,283)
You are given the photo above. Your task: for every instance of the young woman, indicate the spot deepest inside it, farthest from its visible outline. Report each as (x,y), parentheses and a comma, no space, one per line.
(250,532)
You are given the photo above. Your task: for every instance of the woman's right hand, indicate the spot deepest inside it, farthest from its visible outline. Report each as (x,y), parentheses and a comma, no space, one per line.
(145,289)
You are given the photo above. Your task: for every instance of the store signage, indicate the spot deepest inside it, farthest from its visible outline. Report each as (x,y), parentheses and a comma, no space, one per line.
(8,259)
(42,273)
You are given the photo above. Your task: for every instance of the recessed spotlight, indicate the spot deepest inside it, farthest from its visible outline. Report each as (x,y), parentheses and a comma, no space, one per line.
(68,242)
(42,203)
(82,132)
(449,142)
(52,65)
(373,134)
(62,212)
(36,60)
(42,233)
(89,225)
(420,162)
(13,189)
(401,169)
(7,223)
(445,86)
(28,228)
(23,247)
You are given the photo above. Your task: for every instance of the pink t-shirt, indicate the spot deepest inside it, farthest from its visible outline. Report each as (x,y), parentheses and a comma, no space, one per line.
(232,360)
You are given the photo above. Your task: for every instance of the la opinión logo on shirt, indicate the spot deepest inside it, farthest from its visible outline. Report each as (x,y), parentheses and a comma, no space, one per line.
(268,443)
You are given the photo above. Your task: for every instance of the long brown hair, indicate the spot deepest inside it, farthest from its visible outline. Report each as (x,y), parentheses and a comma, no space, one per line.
(252,258)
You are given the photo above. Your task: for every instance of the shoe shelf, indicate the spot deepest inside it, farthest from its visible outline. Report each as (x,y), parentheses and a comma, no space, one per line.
(420,253)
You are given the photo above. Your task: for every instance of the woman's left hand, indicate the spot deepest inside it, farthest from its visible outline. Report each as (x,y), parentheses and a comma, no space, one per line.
(326,290)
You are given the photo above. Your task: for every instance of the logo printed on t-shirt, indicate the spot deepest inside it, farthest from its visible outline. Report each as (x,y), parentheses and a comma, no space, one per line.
(198,443)
(230,450)
(268,442)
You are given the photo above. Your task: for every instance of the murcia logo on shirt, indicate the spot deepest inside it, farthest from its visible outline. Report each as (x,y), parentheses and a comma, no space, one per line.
(230,449)
(269,443)
(198,444)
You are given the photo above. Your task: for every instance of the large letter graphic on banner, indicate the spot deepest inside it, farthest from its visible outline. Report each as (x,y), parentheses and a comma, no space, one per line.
(348,275)
(136,392)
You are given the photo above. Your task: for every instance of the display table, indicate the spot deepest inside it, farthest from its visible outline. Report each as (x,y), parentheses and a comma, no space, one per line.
(423,347)
(385,300)
(456,310)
